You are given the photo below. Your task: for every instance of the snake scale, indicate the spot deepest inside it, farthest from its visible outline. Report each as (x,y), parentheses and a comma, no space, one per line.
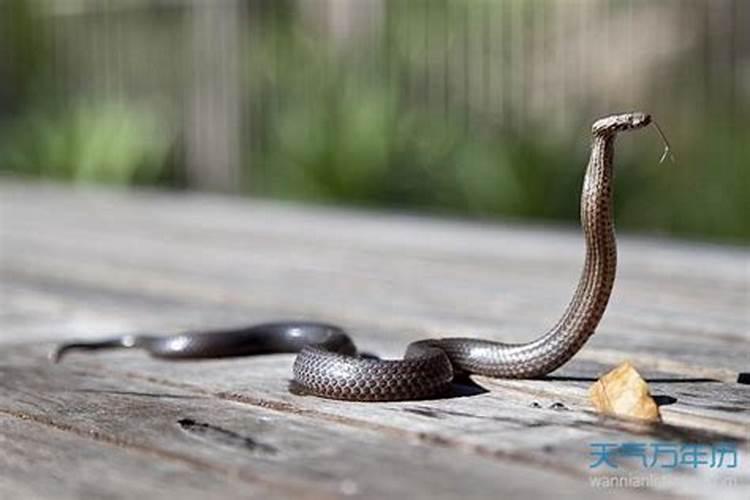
(328,364)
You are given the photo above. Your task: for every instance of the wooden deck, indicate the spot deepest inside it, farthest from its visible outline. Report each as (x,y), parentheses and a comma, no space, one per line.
(91,263)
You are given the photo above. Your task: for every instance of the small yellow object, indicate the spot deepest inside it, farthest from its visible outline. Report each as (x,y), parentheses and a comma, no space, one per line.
(623,393)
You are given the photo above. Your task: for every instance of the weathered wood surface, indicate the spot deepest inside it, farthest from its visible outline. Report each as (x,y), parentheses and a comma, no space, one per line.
(120,425)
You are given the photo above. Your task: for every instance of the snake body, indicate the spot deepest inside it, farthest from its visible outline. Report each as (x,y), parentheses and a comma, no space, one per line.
(328,365)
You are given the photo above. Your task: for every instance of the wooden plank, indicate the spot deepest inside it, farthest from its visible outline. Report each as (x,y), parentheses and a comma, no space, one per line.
(552,441)
(104,262)
(403,300)
(503,425)
(293,453)
(163,314)
(40,460)
(257,230)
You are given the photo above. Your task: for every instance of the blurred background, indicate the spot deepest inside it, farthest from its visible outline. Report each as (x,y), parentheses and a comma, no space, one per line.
(475,108)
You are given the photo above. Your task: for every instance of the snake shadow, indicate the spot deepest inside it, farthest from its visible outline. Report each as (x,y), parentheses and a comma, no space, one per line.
(650,380)
(659,399)
(461,387)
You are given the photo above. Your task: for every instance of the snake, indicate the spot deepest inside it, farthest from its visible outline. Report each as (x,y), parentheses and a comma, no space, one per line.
(328,364)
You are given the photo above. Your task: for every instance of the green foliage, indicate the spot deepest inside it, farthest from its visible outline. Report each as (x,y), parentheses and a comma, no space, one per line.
(330,127)
(25,53)
(343,136)
(103,142)
(703,194)
(357,147)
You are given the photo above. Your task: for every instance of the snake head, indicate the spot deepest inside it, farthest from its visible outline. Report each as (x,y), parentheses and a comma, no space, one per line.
(617,123)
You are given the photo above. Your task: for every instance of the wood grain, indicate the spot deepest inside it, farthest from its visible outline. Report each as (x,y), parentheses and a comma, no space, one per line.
(90,263)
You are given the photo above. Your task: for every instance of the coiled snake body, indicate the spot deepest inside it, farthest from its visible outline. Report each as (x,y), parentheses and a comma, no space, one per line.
(327,364)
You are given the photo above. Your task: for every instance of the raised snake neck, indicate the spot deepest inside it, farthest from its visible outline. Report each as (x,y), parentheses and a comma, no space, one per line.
(328,366)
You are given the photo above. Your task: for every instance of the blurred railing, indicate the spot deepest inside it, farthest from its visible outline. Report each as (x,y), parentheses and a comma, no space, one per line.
(228,94)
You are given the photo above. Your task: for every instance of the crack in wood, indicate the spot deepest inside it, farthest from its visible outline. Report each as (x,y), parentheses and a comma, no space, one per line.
(439,413)
(109,439)
(139,394)
(218,435)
